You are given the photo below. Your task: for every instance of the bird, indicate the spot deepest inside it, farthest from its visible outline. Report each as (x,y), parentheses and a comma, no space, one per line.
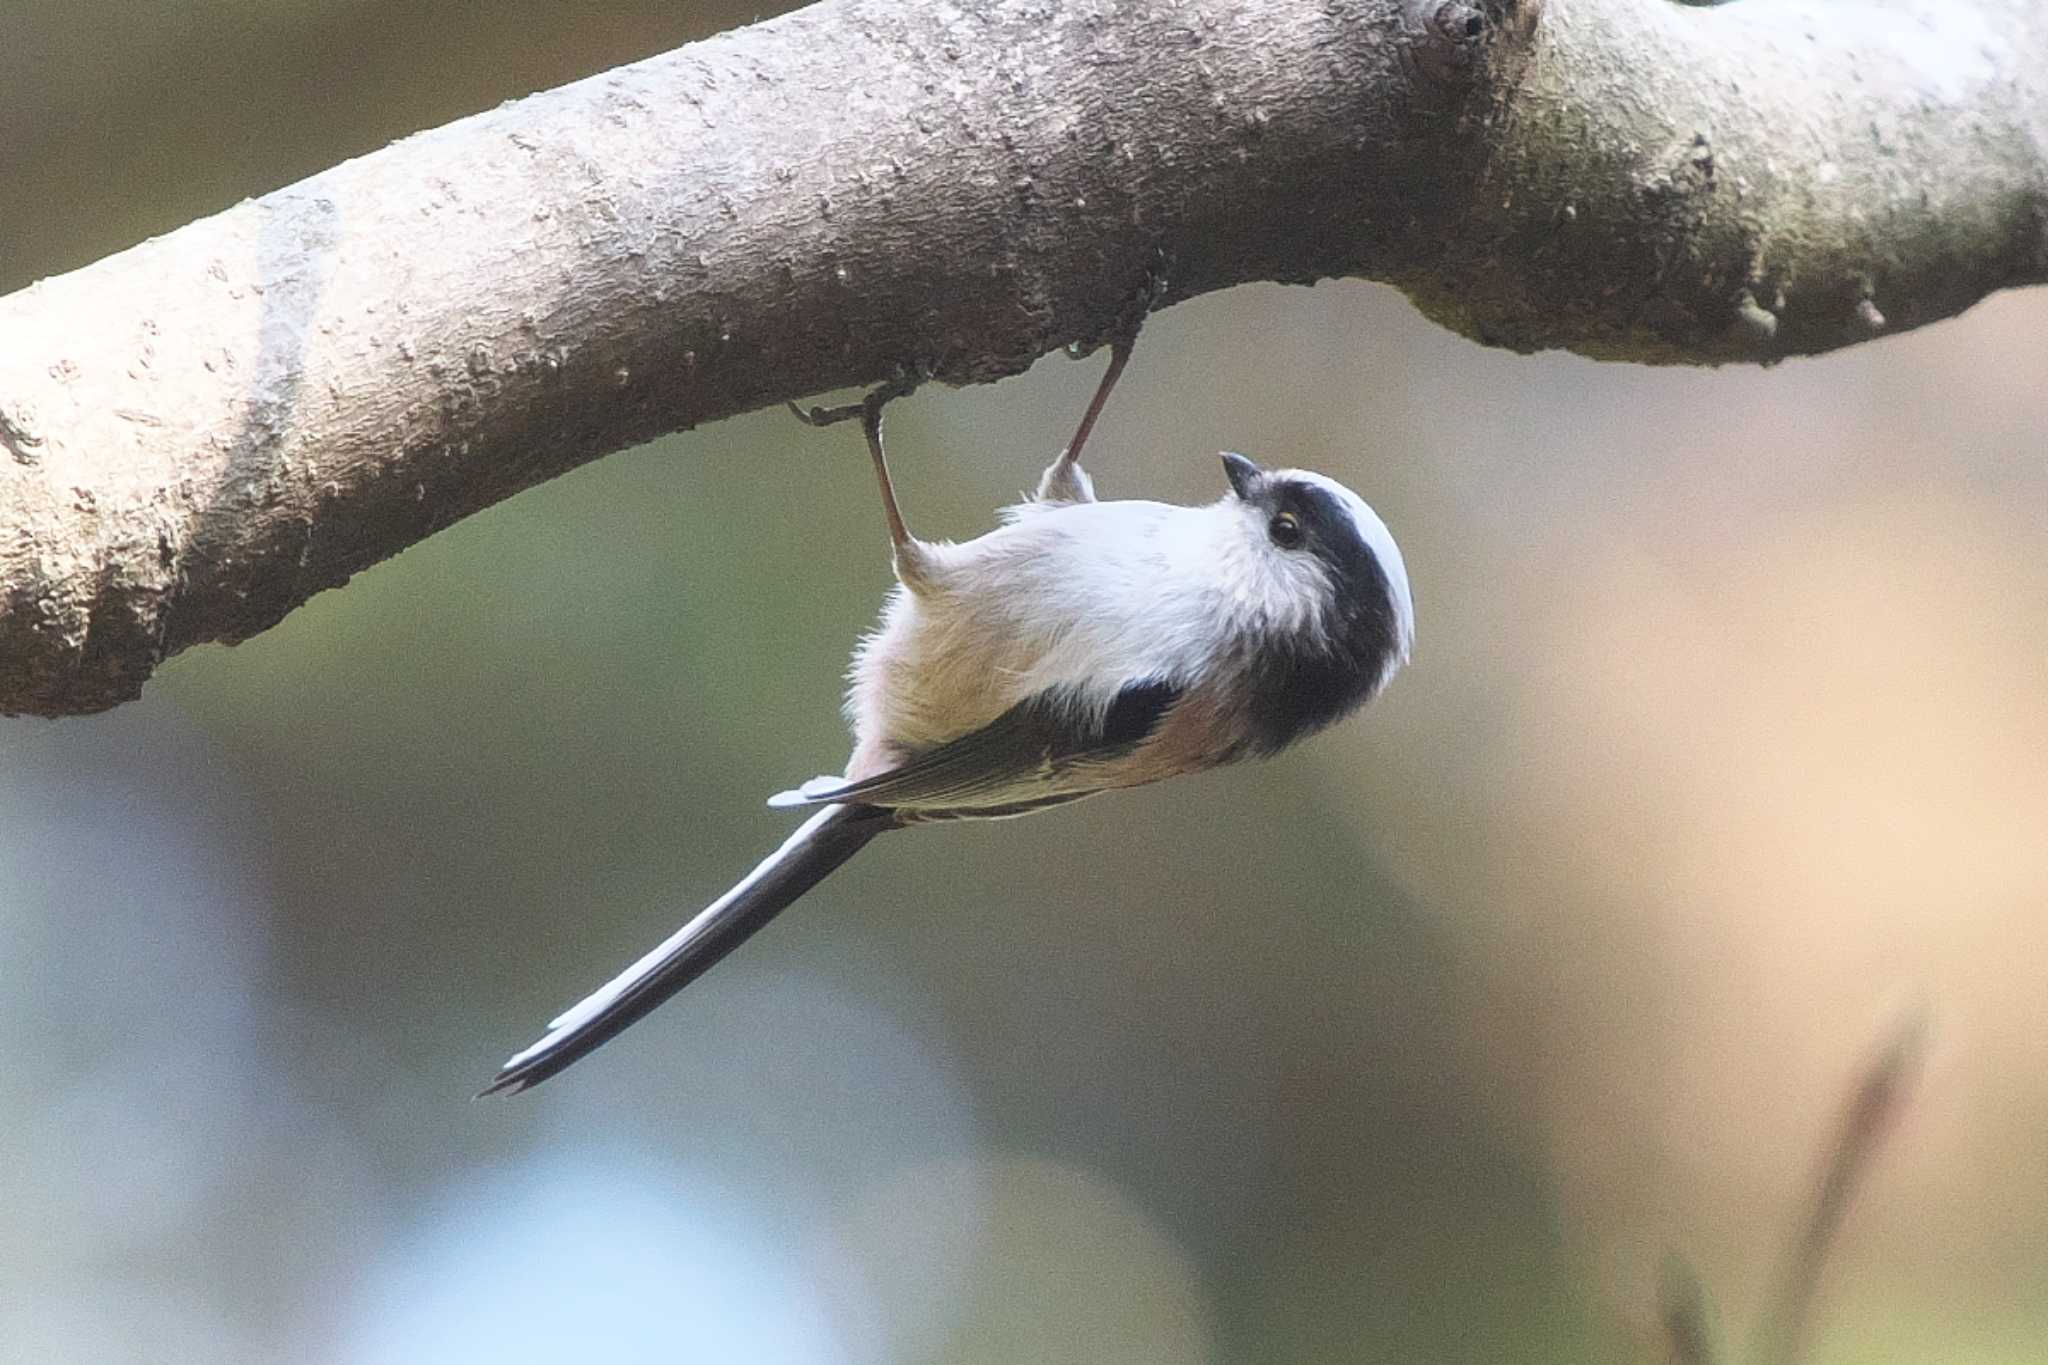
(1081,646)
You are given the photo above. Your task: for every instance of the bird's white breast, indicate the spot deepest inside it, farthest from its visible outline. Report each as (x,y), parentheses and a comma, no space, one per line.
(1080,596)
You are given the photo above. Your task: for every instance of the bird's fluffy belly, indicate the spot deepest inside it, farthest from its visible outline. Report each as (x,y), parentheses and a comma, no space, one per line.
(933,671)
(956,653)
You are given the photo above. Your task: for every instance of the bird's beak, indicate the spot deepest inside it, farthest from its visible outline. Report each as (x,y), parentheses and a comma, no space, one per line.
(1243,474)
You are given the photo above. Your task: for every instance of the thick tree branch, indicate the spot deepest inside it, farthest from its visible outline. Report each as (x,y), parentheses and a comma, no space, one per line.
(199,433)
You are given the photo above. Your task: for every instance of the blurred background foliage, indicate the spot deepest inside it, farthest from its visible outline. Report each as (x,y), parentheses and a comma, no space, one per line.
(1725,735)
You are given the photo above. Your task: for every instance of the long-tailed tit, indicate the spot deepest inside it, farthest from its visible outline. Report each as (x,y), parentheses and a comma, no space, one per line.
(1079,647)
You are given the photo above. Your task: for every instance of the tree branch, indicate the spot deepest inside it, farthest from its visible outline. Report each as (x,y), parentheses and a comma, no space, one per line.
(199,433)
(1873,1108)
(1876,1099)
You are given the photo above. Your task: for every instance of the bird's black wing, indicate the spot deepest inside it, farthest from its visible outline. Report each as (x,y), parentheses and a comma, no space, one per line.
(1036,752)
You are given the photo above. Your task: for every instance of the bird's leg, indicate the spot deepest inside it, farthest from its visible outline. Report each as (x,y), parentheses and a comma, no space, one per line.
(1063,480)
(869,410)
(871,427)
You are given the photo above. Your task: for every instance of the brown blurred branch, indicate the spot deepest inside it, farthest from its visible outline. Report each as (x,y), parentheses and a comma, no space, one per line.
(1874,1105)
(1875,1101)
(1688,1336)
(198,434)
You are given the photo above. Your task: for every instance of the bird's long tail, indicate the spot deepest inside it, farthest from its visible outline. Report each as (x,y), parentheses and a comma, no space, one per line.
(818,848)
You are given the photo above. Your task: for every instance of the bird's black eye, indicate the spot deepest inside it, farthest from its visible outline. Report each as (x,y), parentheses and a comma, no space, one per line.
(1286,531)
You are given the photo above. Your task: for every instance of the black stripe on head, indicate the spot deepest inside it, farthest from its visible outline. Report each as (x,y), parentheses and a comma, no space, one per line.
(1299,684)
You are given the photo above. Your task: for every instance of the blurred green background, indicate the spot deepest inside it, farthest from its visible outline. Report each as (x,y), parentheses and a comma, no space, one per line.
(1725,736)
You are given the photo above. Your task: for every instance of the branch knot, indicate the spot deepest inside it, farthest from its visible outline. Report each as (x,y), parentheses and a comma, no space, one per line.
(1447,39)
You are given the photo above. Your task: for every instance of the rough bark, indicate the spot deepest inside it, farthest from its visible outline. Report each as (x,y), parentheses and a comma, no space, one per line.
(201,432)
